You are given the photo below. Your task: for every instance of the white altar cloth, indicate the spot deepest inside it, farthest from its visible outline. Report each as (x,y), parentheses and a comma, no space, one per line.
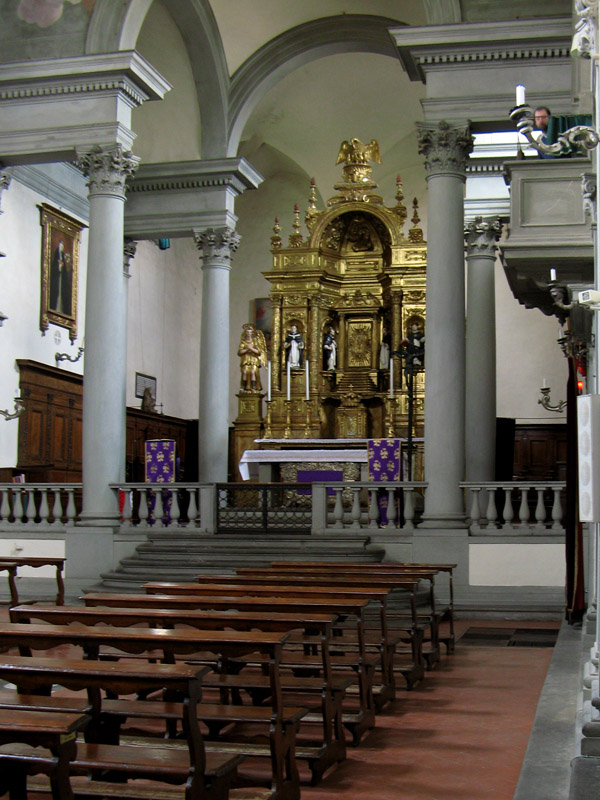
(297,456)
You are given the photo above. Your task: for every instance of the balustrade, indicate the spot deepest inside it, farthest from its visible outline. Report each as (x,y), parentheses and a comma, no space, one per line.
(514,508)
(41,504)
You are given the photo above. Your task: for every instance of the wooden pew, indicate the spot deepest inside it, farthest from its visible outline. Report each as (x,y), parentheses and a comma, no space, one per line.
(36,562)
(357,721)
(445,613)
(386,643)
(20,731)
(206,776)
(331,747)
(283,722)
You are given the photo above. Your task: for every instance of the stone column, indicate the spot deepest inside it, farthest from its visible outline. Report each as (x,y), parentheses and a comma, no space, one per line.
(446,149)
(105,334)
(216,246)
(481,236)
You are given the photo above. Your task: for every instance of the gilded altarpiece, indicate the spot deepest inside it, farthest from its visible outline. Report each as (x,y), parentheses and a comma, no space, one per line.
(356,278)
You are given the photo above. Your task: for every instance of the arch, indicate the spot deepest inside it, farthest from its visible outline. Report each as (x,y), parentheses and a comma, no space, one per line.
(345,33)
(116,26)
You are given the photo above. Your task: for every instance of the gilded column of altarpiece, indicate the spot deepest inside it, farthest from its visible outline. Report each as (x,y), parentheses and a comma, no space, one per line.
(360,280)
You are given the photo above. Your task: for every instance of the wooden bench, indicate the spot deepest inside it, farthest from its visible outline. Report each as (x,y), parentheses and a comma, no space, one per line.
(207,776)
(36,562)
(386,643)
(356,721)
(283,722)
(445,613)
(330,749)
(22,733)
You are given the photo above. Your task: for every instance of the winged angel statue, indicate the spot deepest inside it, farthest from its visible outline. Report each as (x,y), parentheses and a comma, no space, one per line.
(253,355)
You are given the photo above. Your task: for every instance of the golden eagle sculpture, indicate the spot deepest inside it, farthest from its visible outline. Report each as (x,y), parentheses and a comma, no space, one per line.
(355,152)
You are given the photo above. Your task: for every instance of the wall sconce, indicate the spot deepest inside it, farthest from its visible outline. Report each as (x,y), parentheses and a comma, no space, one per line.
(578,136)
(19,409)
(66,357)
(544,401)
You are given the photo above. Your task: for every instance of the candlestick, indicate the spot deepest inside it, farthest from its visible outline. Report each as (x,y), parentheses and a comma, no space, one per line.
(268,381)
(392,378)
(520,94)
(307,380)
(289,375)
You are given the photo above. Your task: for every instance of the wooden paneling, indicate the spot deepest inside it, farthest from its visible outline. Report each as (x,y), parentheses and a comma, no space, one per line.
(540,452)
(50,429)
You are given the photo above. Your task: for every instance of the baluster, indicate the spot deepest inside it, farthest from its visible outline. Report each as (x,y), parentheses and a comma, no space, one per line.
(391,509)
(373,508)
(24,503)
(540,510)
(2,492)
(557,512)
(143,512)
(338,510)
(44,508)
(475,510)
(176,502)
(158,507)
(491,513)
(508,512)
(192,508)
(355,513)
(127,510)
(71,512)
(409,508)
(524,509)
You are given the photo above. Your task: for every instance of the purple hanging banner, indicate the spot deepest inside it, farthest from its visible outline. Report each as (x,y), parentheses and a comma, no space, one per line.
(384,465)
(160,460)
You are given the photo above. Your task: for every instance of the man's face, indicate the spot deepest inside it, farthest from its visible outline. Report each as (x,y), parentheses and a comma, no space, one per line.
(294,329)
(540,120)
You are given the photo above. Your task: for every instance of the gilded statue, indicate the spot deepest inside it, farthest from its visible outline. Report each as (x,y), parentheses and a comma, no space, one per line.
(253,355)
(355,152)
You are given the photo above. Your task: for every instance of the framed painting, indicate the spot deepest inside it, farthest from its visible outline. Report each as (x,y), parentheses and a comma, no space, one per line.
(61,237)
(263,317)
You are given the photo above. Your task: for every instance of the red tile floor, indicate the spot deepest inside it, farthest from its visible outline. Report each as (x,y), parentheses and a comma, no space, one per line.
(459,735)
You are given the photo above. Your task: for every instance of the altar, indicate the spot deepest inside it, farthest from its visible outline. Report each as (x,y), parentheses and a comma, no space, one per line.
(303,460)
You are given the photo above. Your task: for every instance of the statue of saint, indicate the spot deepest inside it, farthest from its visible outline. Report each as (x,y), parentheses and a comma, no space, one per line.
(330,351)
(253,355)
(294,348)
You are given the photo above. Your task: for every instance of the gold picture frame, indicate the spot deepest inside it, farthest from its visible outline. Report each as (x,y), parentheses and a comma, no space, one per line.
(61,237)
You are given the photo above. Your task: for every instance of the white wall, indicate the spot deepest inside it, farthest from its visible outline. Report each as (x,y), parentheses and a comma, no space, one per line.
(20,295)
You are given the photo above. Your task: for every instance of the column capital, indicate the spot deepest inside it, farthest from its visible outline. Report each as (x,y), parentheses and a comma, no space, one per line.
(217,244)
(445,147)
(5,180)
(586,26)
(589,190)
(481,236)
(107,169)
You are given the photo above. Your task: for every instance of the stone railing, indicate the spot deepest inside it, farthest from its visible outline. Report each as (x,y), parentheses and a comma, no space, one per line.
(237,507)
(40,504)
(511,507)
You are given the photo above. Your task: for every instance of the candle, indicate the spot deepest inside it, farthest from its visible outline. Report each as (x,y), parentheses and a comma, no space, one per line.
(307,382)
(552,274)
(289,375)
(544,384)
(268,381)
(391,378)
(520,94)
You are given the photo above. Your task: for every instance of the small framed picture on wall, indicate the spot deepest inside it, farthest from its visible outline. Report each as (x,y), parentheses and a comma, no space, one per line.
(61,237)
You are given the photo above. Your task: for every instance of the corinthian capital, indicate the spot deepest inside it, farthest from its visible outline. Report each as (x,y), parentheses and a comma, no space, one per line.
(481,236)
(445,148)
(586,28)
(107,169)
(217,243)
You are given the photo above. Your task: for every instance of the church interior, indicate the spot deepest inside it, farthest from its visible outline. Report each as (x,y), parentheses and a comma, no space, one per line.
(311,268)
